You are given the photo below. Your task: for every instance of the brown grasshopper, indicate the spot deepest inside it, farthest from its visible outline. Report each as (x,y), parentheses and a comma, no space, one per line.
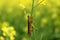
(29,25)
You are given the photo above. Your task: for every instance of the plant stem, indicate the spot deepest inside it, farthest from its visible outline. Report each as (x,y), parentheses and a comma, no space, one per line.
(32,8)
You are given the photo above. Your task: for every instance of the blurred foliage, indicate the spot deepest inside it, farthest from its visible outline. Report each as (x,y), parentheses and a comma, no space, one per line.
(13,19)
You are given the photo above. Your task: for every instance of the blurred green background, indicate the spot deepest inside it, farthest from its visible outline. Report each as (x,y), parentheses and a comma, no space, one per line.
(14,24)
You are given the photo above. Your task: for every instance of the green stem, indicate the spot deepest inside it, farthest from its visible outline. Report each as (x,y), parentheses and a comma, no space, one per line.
(32,8)
(30,36)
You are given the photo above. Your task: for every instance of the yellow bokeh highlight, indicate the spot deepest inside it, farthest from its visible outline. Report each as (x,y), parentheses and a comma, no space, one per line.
(5,24)
(9,9)
(24,38)
(25,29)
(56,30)
(4,29)
(43,22)
(8,30)
(11,28)
(4,34)
(25,2)
(37,14)
(11,31)
(22,6)
(56,23)
(54,15)
(56,2)
(12,38)
(1,38)
(43,2)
